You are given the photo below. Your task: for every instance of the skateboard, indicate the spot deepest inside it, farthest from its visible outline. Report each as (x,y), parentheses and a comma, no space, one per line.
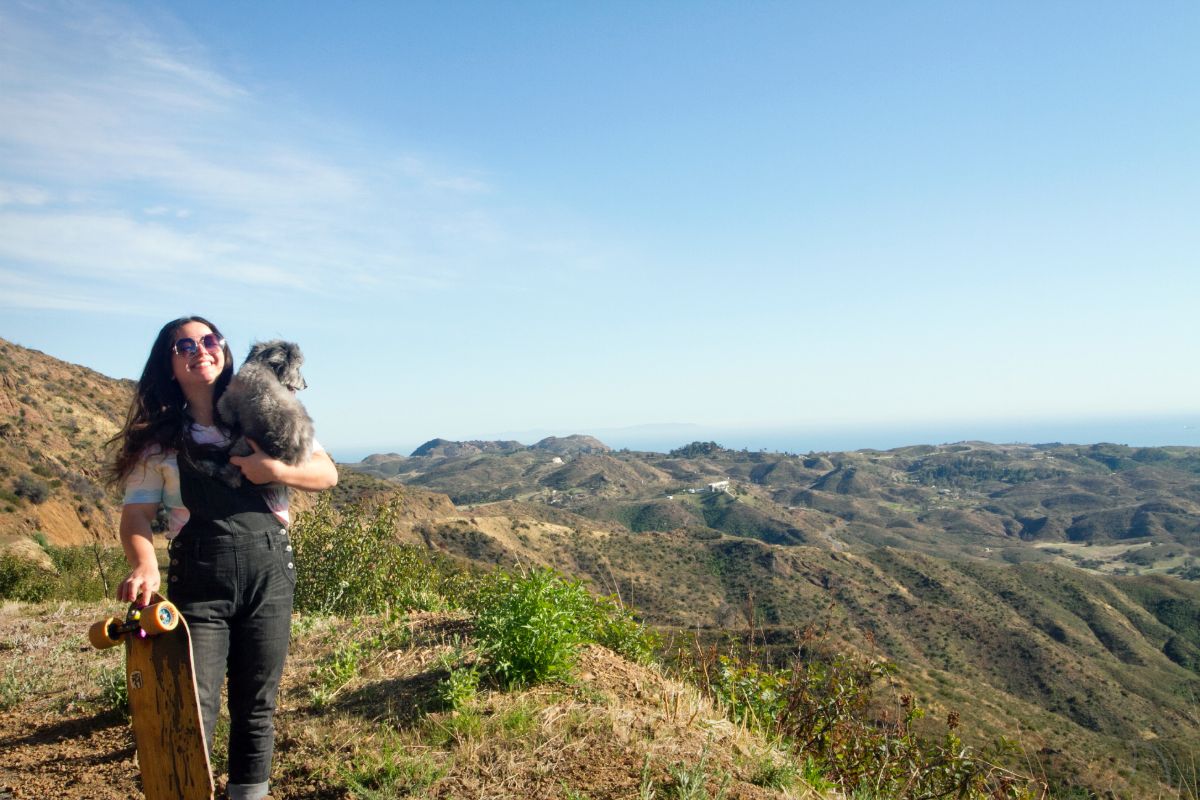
(163,703)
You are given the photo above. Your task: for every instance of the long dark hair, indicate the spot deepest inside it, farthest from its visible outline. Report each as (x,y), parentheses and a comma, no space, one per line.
(156,415)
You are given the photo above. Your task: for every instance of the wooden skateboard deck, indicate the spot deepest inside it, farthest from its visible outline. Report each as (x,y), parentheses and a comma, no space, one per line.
(165,709)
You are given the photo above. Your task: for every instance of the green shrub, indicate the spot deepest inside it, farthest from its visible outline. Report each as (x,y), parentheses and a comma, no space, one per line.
(87,573)
(114,690)
(826,711)
(611,624)
(529,627)
(459,689)
(349,563)
(751,694)
(21,579)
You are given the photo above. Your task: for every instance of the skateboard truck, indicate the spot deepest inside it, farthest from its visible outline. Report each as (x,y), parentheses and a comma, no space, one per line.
(151,620)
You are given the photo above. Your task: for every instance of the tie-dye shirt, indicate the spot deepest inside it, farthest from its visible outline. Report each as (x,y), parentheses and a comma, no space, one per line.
(156,480)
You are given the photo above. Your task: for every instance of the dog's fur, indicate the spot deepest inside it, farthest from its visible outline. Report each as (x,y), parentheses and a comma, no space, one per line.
(260,404)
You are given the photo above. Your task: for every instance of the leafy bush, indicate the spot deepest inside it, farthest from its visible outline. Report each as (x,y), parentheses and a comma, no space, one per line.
(114,691)
(21,579)
(80,573)
(752,695)
(611,624)
(87,573)
(458,689)
(32,489)
(530,626)
(826,711)
(349,563)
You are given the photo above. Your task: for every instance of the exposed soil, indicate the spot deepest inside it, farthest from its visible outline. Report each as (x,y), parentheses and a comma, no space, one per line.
(62,738)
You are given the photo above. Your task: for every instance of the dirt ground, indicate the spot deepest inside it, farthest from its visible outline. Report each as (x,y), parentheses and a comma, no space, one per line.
(57,738)
(61,735)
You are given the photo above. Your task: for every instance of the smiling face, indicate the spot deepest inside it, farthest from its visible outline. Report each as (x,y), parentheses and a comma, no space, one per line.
(199,370)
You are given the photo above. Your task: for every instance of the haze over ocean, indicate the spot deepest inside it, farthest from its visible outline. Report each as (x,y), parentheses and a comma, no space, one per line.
(1135,432)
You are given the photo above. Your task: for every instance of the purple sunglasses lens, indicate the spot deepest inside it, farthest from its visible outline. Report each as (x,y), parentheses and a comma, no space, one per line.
(188,346)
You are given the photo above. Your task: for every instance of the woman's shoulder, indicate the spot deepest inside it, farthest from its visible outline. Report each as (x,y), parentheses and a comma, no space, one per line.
(155,453)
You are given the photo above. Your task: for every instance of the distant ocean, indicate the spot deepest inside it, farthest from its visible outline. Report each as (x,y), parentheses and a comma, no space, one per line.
(1135,432)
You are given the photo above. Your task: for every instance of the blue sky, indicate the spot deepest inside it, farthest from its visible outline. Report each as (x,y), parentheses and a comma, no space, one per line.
(481,218)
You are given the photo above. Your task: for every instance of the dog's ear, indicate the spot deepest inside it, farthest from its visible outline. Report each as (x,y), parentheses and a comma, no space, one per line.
(256,350)
(293,354)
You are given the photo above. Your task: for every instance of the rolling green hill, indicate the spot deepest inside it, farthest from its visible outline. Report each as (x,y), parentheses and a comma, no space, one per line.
(1104,507)
(1045,592)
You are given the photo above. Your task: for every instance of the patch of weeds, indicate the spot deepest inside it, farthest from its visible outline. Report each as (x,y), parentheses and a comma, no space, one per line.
(518,721)
(304,624)
(773,775)
(114,690)
(813,774)
(646,789)
(335,672)
(460,688)
(347,660)
(572,794)
(220,746)
(691,782)
(389,770)
(455,728)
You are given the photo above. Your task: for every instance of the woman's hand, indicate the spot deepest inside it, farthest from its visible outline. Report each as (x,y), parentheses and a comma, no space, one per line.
(318,472)
(142,582)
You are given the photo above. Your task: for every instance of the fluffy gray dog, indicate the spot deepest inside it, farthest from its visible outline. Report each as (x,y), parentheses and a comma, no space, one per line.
(260,404)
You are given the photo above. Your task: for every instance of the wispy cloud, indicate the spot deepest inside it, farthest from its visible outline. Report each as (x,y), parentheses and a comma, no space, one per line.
(13,194)
(127,156)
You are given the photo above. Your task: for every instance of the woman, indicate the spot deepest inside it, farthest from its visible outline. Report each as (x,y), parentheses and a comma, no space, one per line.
(231,571)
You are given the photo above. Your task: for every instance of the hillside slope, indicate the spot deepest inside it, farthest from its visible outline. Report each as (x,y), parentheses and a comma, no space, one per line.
(1103,507)
(54,420)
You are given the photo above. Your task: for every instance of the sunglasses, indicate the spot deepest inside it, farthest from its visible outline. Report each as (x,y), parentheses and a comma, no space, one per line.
(189,347)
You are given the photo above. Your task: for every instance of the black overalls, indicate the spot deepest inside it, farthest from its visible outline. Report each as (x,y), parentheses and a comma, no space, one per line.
(232,576)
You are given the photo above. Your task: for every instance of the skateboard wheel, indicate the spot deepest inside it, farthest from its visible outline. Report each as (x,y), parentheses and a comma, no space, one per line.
(99,636)
(159,618)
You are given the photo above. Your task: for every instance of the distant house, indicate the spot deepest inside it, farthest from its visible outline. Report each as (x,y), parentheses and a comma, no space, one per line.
(556,460)
(719,486)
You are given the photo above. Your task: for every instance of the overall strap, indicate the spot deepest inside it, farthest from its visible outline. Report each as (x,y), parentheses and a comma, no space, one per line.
(212,503)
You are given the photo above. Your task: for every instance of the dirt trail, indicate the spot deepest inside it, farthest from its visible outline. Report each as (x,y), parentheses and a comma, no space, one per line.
(58,739)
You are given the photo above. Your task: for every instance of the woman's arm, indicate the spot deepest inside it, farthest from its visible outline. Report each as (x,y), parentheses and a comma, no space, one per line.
(318,473)
(137,539)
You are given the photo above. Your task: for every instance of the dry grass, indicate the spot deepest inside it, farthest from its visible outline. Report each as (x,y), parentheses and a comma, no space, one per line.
(388,733)
(385,732)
